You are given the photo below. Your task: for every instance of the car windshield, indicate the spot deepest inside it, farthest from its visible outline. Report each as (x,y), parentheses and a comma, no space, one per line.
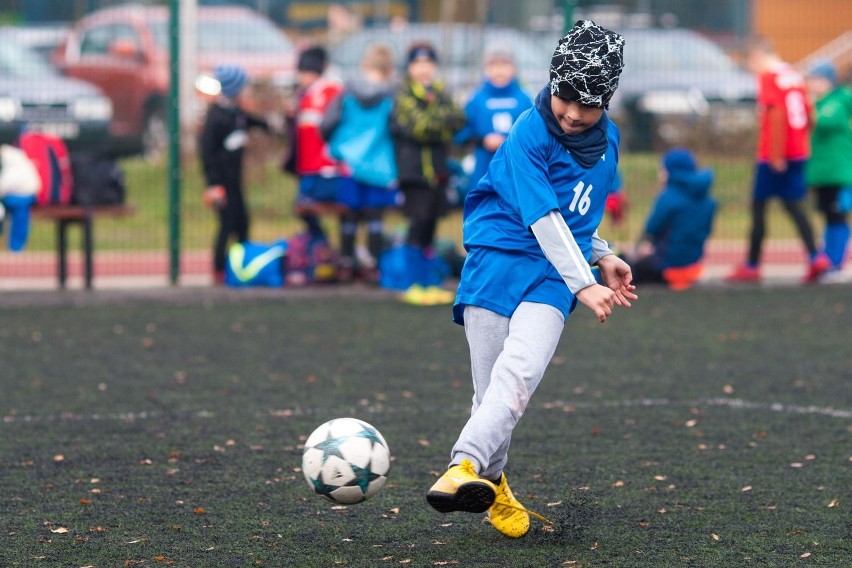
(679,52)
(20,62)
(241,36)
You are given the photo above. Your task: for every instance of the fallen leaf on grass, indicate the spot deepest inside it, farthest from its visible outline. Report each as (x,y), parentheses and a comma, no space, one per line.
(198,510)
(60,530)
(805,555)
(137,541)
(797,464)
(554,504)
(746,488)
(833,503)
(715,537)
(618,483)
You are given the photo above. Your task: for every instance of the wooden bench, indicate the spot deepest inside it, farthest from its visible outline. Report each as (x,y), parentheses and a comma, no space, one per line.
(66,215)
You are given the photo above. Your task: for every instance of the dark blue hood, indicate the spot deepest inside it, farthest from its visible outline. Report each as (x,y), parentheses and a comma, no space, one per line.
(695,184)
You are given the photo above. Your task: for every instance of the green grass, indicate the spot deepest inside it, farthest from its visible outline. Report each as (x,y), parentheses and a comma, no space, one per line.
(152,432)
(271,193)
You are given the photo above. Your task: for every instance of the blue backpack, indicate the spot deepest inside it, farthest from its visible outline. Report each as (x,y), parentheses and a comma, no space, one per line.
(403,266)
(255,264)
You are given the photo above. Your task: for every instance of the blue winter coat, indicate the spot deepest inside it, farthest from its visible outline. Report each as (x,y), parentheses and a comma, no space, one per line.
(491,110)
(682,218)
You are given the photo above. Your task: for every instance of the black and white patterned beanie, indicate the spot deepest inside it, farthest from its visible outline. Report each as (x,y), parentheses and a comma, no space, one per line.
(586,65)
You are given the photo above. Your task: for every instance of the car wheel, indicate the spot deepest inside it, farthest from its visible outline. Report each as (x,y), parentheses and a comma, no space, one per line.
(155,138)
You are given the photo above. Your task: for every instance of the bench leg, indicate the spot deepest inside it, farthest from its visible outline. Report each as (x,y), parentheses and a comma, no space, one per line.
(62,248)
(87,251)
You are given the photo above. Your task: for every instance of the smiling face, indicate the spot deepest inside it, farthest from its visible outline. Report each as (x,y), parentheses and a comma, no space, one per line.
(574,117)
(423,70)
(499,71)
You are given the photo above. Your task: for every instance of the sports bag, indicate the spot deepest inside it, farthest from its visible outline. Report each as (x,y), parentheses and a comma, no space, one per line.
(98,180)
(50,156)
(310,260)
(255,264)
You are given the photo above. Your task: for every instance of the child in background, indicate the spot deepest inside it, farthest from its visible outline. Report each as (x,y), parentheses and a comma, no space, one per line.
(223,139)
(681,219)
(829,171)
(782,151)
(492,109)
(530,229)
(423,123)
(616,201)
(317,171)
(357,128)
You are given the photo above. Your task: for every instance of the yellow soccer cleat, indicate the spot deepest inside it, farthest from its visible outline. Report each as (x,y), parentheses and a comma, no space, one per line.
(415,295)
(507,515)
(460,489)
(437,296)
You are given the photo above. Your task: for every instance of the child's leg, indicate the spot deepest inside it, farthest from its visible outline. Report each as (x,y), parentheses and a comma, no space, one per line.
(375,232)
(348,232)
(803,225)
(758,230)
(533,334)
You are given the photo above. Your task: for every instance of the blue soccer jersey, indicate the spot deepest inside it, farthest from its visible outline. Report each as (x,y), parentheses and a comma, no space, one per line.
(530,175)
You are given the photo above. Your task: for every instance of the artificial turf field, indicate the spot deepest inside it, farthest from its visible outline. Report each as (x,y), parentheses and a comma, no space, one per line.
(706,428)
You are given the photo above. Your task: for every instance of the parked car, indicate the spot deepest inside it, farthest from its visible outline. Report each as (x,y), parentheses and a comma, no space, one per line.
(678,87)
(35,97)
(41,38)
(460,49)
(125,51)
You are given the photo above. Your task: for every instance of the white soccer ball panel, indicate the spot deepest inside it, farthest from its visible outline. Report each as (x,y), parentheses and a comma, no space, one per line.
(336,471)
(318,435)
(375,486)
(380,460)
(343,427)
(312,463)
(357,451)
(347,495)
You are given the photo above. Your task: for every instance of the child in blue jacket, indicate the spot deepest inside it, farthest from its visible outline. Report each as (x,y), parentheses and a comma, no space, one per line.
(492,109)
(530,230)
(679,223)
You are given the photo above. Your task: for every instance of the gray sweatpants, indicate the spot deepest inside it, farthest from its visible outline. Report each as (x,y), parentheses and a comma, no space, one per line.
(508,357)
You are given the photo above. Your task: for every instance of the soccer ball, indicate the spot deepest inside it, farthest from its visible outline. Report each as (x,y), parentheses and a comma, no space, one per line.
(346,460)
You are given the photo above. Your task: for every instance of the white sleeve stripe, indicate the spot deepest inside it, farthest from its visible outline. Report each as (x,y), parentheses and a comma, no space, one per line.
(571,245)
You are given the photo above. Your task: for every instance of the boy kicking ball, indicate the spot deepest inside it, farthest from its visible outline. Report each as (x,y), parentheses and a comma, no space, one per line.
(530,230)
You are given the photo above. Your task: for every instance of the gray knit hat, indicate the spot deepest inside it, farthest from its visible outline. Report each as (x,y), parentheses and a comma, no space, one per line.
(587,64)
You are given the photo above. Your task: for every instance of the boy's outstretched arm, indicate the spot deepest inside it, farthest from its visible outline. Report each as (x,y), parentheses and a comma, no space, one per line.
(560,248)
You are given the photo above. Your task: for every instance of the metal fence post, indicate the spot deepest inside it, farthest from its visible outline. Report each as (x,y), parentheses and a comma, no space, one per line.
(174,141)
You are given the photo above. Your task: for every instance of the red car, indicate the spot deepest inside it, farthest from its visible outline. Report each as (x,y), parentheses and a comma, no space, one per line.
(124,50)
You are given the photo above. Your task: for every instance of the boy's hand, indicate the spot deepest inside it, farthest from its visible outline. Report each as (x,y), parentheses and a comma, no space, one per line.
(599,299)
(617,276)
(492,141)
(215,197)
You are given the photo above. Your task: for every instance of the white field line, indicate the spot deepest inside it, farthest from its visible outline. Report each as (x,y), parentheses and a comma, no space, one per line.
(735,403)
